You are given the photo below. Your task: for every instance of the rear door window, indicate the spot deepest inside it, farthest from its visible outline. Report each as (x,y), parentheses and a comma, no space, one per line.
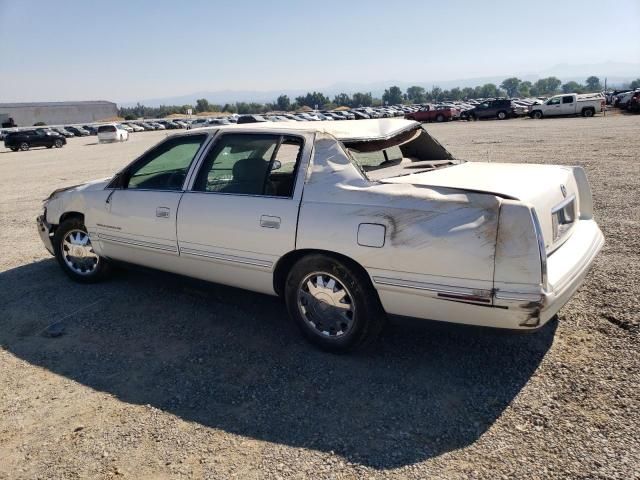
(251,164)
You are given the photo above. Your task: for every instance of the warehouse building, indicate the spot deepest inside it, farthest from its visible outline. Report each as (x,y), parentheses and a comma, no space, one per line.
(58,113)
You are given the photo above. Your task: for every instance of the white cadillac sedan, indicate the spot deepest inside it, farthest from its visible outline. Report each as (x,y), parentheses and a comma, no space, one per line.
(347,221)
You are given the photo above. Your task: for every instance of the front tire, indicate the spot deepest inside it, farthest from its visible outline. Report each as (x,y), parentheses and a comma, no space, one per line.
(440,118)
(502,115)
(537,114)
(75,253)
(333,303)
(58,143)
(24,146)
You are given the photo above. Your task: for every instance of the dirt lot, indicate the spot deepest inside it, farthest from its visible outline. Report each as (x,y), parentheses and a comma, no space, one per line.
(160,377)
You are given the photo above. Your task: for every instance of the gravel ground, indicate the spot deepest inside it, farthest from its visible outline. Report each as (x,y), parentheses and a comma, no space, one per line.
(157,376)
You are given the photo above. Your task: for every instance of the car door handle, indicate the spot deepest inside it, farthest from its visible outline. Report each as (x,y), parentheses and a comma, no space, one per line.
(267,221)
(163,212)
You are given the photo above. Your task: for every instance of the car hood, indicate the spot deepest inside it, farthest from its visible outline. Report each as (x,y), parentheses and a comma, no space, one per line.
(92,185)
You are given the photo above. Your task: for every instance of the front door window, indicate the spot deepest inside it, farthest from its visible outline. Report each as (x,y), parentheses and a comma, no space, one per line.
(166,166)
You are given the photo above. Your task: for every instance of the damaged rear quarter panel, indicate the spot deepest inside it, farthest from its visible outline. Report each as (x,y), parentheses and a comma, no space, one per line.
(432,234)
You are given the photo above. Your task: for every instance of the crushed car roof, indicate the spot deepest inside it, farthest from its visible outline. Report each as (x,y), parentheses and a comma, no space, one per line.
(350,131)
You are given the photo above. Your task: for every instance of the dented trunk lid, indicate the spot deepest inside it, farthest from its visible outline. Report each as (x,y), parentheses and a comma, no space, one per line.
(548,188)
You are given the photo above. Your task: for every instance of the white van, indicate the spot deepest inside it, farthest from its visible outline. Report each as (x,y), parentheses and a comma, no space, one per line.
(112,133)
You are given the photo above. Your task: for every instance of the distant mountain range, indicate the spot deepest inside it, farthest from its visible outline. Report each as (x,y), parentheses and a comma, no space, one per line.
(617,73)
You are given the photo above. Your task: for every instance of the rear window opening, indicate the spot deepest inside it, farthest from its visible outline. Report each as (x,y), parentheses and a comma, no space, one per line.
(106,128)
(414,151)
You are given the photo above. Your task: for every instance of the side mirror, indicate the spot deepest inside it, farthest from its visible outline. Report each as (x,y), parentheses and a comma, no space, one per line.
(276,165)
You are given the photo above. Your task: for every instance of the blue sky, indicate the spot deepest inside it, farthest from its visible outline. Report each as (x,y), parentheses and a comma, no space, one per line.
(128,50)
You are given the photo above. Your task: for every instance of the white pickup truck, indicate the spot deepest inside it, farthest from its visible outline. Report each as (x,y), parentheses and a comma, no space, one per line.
(586,105)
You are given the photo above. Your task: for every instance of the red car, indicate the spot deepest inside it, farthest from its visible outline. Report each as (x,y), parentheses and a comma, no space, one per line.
(430,113)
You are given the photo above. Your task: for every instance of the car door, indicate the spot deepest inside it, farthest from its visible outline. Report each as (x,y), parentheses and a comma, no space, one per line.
(240,215)
(567,105)
(137,222)
(482,110)
(553,106)
(39,138)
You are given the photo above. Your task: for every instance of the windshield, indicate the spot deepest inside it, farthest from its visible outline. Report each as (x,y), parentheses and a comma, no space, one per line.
(409,152)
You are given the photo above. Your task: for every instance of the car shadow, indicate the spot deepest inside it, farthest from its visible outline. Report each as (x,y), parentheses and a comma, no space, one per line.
(232,360)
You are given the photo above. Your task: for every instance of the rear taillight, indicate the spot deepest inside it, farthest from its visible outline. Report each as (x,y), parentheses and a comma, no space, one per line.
(585,199)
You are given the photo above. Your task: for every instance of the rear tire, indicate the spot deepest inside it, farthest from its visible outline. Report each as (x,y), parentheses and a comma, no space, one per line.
(58,143)
(333,303)
(75,254)
(440,118)
(588,112)
(24,146)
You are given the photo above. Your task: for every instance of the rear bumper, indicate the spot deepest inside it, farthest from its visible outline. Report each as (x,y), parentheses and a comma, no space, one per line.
(567,268)
(45,232)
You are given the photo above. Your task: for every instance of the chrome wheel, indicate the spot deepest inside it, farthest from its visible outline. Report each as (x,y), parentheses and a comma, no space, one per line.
(78,253)
(326,305)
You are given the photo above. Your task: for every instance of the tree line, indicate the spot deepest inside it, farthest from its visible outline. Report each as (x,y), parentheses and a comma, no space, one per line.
(510,87)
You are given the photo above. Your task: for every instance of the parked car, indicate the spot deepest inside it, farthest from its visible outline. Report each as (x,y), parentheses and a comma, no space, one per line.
(199,122)
(169,125)
(569,104)
(498,108)
(251,119)
(291,116)
(65,133)
(92,129)
(112,133)
(624,99)
(344,237)
(333,116)
(323,117)
(634,103)
(148,126)
(358,115)
(126,127)
(26,139)
(435,114)
(344,113)
(217,121)
(136,127)
(77,131)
